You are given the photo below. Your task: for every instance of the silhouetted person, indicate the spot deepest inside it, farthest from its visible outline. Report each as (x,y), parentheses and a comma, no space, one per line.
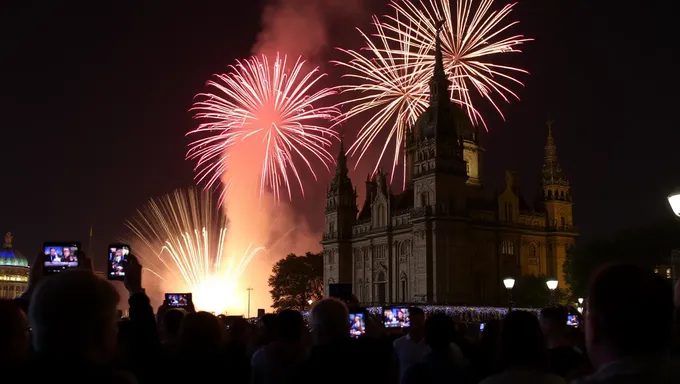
(412,348)
(522,352)
(278,361)
(336,354)
(629,327)
(15,339)
(439,365)
(73,316)
(562,356)
(266,330)
(170,327)
(485,363)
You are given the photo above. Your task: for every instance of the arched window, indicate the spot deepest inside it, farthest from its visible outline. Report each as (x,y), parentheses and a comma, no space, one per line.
(381,216)
(360,293)
(403,280)
(424,199)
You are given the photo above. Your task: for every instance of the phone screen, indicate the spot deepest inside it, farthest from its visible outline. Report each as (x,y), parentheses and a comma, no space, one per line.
(481,327)
(396,317)
(118,257)
(357,324)
(59,257)
(177,300)
(572,320)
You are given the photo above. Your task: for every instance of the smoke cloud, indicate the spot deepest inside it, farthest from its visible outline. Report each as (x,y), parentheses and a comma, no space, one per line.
(302,27)
(259,220)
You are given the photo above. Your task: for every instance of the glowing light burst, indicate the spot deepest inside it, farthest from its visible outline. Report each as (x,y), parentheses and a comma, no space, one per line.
(271,108)
(390,88)
(470,38)
(185,236)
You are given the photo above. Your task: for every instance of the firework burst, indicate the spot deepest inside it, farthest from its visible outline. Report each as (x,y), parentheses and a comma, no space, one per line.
(184,243)
(273,110)
(390,88)
(471,37)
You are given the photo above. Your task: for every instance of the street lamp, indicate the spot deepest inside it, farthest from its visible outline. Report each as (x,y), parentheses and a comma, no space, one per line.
(674,201)
(552,286)
(509,283)
(310,301)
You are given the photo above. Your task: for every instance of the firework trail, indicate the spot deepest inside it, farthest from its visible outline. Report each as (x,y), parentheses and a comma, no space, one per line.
(273,110)
(471,37)
(184,238)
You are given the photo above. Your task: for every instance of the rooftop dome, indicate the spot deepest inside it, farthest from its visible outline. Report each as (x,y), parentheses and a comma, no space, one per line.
(9,257)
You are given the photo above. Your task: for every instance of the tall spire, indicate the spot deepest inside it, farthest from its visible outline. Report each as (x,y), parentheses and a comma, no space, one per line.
(552,172)
(439,84)
(342,158)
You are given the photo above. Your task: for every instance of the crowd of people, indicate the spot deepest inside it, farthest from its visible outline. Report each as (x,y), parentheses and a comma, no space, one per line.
(66,327)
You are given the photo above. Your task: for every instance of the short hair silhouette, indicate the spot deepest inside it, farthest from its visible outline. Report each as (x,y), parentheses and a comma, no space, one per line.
(289,325)
(624,295)
(555,316)
(521,341)
(330,316)
(439,330)
(71,309)
(416,311)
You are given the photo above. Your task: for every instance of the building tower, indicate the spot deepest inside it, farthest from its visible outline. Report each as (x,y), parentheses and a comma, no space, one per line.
(438,176)
(434,149)
(341,213)
(557,203)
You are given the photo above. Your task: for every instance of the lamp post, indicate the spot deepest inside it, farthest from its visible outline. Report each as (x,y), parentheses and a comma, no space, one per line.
(509,283)
(552,286)
(249,290)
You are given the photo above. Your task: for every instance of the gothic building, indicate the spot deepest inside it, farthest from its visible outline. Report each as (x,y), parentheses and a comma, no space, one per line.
(446,238)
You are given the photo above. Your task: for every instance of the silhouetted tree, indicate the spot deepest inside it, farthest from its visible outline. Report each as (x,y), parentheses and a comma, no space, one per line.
(531,291)
(295,280)
(647,246)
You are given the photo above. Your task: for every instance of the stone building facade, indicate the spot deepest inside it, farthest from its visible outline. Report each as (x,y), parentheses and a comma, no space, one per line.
(446,238)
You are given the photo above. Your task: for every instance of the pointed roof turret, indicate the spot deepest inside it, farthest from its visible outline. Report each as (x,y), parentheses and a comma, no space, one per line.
(552,171)
(341,182)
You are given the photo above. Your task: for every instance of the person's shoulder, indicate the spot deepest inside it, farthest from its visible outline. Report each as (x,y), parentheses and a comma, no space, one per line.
(258,357)
(400,341)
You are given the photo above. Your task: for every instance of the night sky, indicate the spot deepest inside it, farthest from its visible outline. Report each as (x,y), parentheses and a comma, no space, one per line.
(94,108)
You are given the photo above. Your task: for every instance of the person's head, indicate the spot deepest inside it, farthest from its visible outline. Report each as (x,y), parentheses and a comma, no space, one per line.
(553,321)
(266,328)
(74,313)
(417,317)
(328,321)
(200,332)
(439,328)
(14,333)
(53,252)
(621,296)
(521,341)
(67,251)
(290,325)
(171,323)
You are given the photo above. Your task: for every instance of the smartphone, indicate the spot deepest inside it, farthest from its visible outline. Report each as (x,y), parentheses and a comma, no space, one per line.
(481,327)
(60,256)
(572,321)
(178,300)
(396,317)
(118,258)
(357,323)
